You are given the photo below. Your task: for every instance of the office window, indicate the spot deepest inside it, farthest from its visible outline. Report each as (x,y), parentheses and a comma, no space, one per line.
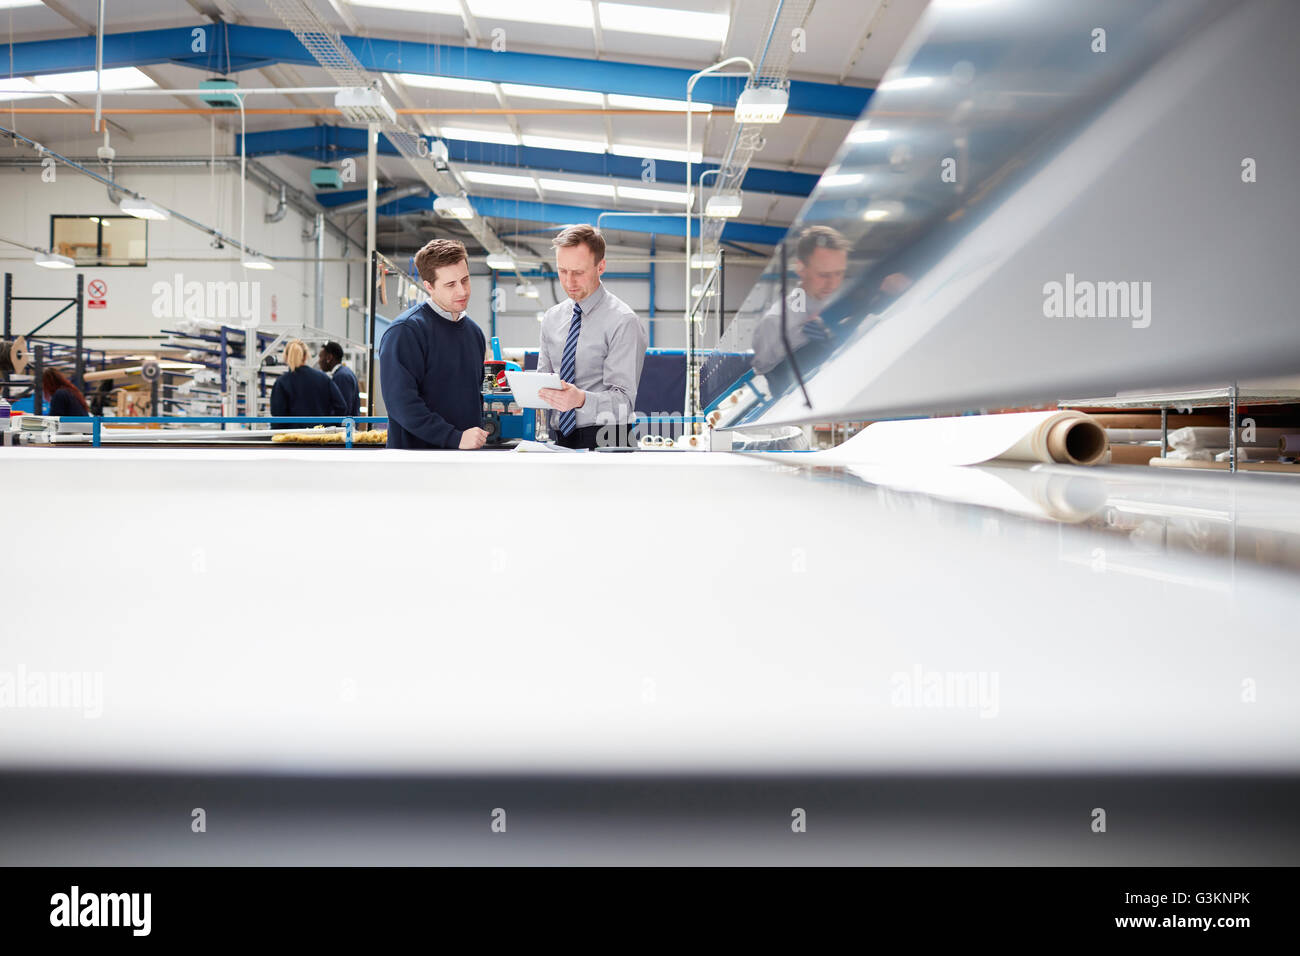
(101,240)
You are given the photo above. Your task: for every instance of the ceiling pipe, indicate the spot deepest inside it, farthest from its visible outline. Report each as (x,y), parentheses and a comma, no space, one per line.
(280,209)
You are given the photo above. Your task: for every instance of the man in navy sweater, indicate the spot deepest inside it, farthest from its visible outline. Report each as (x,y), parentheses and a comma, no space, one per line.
(431,359)
(331,363)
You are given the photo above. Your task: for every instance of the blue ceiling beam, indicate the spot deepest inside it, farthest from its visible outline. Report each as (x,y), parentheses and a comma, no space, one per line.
(205,49)
(244,47)
(326,144)
(663,225)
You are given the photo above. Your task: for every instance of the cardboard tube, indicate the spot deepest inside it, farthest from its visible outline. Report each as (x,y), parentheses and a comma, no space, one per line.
(1076,442)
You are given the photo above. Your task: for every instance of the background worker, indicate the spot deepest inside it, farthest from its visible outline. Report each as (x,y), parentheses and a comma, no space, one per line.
(303,391)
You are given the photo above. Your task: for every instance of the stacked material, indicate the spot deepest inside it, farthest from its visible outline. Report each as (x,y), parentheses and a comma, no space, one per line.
(1212,444)
(306,437)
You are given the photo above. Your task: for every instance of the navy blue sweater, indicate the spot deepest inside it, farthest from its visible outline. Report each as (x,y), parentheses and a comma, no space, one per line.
(63,402)
(305,391)
(431,373)
(346,382)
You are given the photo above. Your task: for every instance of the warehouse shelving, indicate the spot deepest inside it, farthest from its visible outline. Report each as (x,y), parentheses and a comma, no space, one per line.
(1226,396)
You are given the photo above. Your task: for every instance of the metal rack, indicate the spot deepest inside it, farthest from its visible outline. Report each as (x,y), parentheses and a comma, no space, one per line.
(224,350)
(1228,395)
(75,356)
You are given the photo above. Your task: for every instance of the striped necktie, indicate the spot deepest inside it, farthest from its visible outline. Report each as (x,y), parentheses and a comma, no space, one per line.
(568,368)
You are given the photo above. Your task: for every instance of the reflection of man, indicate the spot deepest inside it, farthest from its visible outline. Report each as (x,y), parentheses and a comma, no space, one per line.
(431,359)
(821,258)
(594,340)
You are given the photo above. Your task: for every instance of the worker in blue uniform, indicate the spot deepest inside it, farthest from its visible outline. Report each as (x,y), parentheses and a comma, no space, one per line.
(331,363)
(304,391)
(431,359)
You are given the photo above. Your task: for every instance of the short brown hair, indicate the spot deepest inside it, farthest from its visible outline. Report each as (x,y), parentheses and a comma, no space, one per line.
(582,235)
(818,237)
(438,252)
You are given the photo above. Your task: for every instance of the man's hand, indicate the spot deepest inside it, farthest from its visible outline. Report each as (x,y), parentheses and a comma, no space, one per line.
(815,328)
(563,399)
(472,438)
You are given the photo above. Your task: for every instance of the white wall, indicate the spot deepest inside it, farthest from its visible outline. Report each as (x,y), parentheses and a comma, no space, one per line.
(284,295)
(213,199)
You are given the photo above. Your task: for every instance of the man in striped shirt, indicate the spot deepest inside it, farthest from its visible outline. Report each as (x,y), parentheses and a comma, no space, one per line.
(597,344)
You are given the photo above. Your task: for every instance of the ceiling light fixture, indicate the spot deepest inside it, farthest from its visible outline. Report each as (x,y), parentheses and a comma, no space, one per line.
(52,260)
(142,209)
(453,207)
(762,104)
(723,206)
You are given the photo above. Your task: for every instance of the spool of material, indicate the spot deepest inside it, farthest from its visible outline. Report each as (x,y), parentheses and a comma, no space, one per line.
(14,357)
(1289,445)
(1065,437)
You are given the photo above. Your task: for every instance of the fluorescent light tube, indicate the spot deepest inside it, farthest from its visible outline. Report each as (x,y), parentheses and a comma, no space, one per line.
(499,179)
(581,188)
(449,7)
(555,93)
(480,135)
(660,21)
(654,152)
(556,142)
(83,81)
(560,13)
(500,260)
(652,195)
(258,262)
(623,102)
(452,84)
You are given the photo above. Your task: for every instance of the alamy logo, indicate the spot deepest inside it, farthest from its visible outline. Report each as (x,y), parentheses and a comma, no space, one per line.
(102,909)
(71,690)
(1084,299)
(207,300)
(955,690)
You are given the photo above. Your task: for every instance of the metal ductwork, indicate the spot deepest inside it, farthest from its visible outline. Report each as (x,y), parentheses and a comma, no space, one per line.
(280,209)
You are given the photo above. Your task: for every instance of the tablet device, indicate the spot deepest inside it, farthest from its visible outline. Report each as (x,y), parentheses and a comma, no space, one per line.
(524,386)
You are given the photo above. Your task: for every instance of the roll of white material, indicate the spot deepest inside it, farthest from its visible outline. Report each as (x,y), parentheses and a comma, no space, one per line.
(1067,437)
